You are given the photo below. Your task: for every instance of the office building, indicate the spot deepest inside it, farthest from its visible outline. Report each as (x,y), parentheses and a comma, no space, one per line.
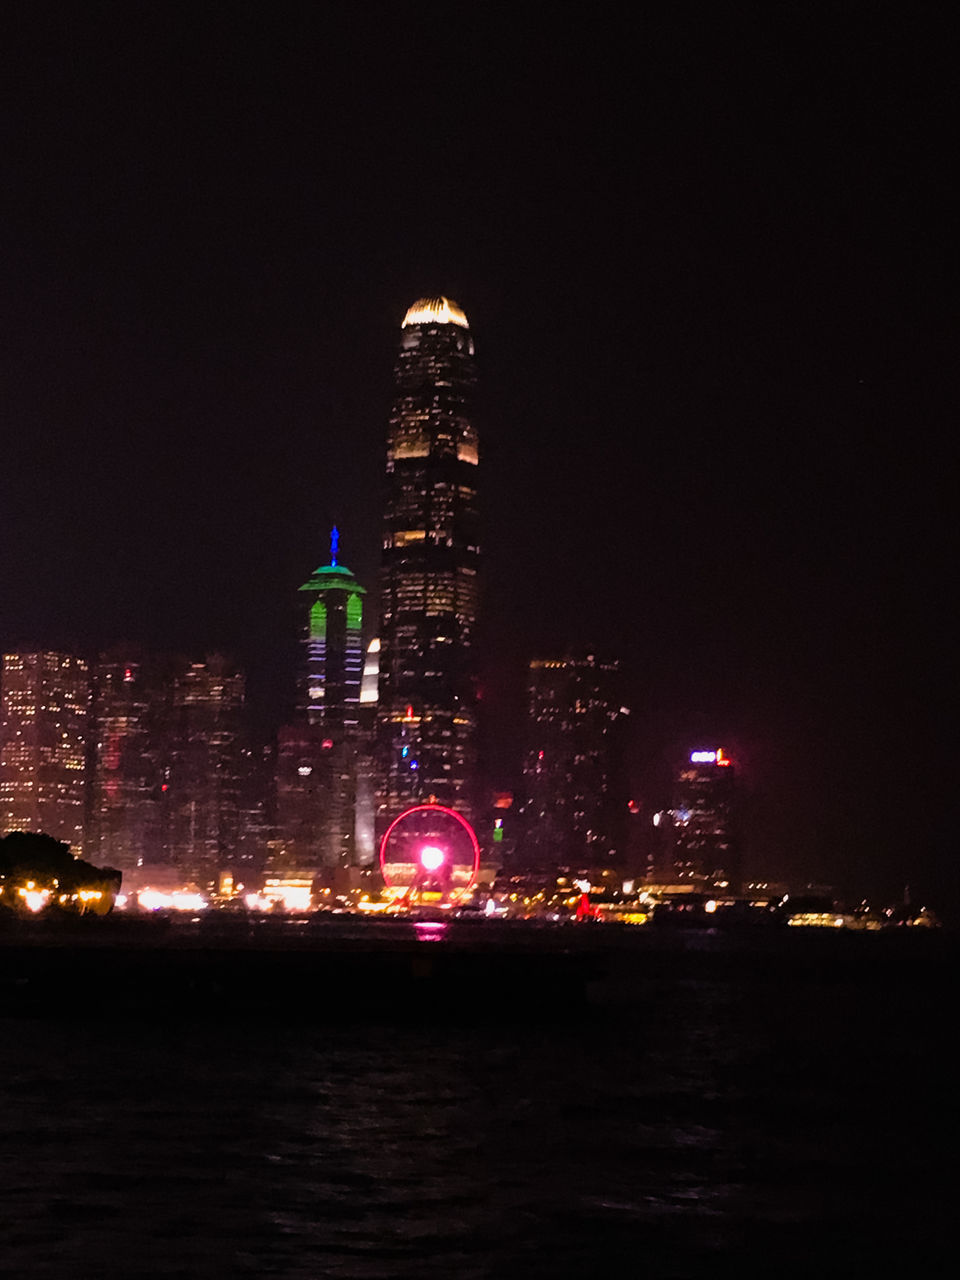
(704,819)
(575,797)
(317,754)
(43,740)
(126,820)
(366,811)
(203,770)
(427,715)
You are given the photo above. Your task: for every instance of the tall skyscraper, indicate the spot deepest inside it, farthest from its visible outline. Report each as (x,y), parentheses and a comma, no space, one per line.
(317,754)
(575,801)
(366,822)
(43,734)
(427,717)
(128,756)
(202,777)
(704,819)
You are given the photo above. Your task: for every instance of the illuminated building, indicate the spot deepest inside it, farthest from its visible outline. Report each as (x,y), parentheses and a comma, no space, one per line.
(43,735)
(704,819)
(202,776)
(575,802)
(125,814)
(317,754)
(175,787)
(501,826)
(329,686)
(427,718)
(366,838)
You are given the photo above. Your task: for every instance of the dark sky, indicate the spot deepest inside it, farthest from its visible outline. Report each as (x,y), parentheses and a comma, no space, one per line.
(708,263)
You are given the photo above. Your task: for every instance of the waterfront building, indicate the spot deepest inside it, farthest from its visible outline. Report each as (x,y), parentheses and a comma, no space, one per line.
(306,792)
(332,646)
(575,798)
(126,827)
(256,821)
(499,829)
(366,819)
(43,737)
(704,819)
(317,754)
(203,770)
(427,715)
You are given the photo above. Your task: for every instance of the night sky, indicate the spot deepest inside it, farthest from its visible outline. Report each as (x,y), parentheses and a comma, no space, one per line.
(708,264)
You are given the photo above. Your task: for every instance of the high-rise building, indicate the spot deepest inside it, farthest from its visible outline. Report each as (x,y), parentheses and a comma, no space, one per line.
(575,801)
(704,819)
(256,819)
(127,762)
(317,754)
(427,716)
(366,823)
(43,734)
(175,781)
(329,685)
(201,787)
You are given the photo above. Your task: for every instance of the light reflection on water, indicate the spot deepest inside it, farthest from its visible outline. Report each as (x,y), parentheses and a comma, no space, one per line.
(430,930)
(700,1122)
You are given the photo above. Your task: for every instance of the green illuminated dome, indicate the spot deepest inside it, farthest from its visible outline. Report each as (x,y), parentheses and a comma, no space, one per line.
(333,577)
(435,311)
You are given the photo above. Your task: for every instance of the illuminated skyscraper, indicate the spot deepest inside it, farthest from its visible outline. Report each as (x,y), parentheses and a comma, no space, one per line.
(329,686)
(202,777)
(43,733)
(575,801)
(317,754)
(366,823)
(126,817)
(705,819)
(427,719)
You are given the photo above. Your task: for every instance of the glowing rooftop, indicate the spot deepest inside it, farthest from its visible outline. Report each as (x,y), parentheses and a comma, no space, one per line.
(435,311)
(333,576)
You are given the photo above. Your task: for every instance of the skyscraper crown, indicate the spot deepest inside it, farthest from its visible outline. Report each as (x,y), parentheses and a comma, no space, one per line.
(435,311)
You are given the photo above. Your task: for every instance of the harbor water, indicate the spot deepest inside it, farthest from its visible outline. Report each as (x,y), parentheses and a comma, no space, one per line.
(766,1106)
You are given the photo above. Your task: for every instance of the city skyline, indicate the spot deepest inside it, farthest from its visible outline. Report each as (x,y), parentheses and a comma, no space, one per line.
(705,268)
(614,350)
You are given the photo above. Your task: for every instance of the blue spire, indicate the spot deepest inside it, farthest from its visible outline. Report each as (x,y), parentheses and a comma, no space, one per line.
(334,544)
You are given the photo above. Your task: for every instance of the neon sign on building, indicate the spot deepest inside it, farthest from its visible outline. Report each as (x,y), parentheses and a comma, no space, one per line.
(710,757)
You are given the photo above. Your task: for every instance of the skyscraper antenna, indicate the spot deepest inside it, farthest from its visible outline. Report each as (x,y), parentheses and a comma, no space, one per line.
(334,544)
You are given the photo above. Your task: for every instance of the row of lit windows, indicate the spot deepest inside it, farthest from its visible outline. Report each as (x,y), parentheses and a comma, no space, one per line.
(49,661)
(17,707)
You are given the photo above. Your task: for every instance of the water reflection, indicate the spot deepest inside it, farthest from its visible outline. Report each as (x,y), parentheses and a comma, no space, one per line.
(699,1124)
(430,930)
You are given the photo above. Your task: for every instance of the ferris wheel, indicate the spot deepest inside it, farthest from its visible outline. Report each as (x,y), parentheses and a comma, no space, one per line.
(430,849)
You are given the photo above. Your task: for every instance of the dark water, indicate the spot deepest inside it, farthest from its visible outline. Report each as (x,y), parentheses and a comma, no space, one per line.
(701,1117)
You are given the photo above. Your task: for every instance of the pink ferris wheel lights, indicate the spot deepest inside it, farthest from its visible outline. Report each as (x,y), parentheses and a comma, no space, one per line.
(431,857)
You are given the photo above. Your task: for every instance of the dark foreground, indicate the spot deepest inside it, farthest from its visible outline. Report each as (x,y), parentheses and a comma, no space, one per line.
(494,1103)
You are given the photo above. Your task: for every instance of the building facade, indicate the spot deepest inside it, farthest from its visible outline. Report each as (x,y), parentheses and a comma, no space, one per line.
(202,743)
(704,819)
(126,812)
(575,801)
(43,741)
(317,754)
(366,823)
(175,781)
(426,712)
